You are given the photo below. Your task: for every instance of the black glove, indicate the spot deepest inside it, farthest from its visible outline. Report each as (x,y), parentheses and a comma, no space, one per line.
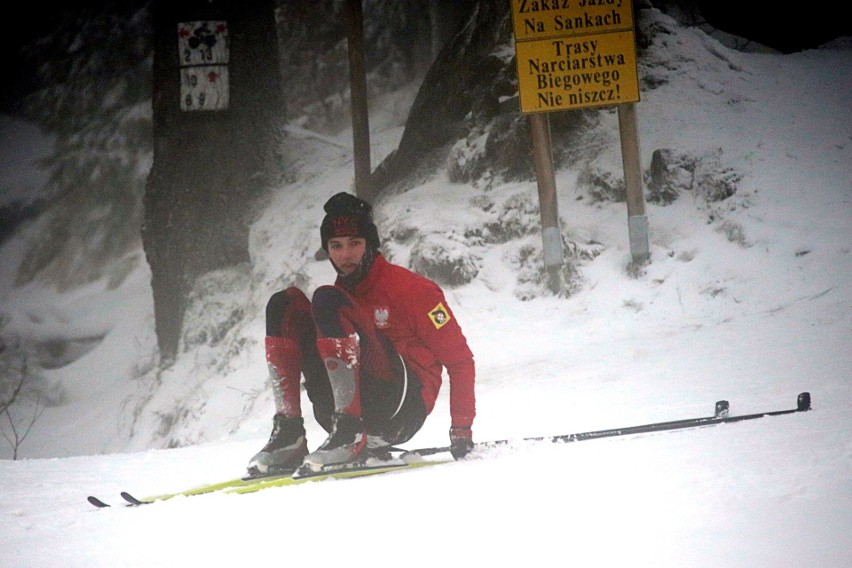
(461,441)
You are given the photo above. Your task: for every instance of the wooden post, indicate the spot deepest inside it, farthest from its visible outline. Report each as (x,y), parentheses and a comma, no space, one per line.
(358,93)
(543,163)
(637,220)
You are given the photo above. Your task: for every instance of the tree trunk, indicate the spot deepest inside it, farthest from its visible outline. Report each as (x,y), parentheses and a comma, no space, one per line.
(216,103)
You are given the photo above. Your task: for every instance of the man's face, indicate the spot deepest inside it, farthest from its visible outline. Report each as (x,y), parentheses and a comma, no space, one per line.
(346,252)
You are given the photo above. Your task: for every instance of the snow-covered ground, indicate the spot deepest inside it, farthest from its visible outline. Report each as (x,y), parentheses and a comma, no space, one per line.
(747,299)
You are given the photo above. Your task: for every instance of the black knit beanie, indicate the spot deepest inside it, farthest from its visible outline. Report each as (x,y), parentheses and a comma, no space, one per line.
(348,216)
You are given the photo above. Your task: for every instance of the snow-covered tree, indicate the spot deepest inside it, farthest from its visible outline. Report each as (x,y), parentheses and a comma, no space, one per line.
(95,68)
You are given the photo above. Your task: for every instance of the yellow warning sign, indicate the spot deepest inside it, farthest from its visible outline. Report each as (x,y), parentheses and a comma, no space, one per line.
(576,72)
(575,53)
(537,19)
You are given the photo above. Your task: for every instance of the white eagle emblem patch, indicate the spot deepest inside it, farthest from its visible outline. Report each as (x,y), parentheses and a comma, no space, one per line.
(381,317)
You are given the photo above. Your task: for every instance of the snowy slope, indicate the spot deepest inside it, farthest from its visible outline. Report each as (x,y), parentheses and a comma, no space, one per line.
(746,299)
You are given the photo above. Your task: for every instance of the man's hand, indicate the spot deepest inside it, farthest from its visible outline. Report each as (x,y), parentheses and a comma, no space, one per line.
(461,441)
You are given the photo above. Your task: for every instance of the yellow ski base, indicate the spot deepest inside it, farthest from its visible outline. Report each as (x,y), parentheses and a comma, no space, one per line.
(240,486)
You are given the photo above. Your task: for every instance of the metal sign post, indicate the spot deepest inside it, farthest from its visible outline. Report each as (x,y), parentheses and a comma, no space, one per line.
(637,221)
(551,236)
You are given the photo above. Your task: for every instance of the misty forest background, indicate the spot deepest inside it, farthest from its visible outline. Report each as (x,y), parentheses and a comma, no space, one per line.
(124,174)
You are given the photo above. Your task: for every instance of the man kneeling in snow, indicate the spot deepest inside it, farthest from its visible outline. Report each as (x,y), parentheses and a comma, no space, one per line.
(372,348)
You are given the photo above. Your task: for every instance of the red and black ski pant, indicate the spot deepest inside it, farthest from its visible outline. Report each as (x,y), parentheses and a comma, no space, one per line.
(391,402)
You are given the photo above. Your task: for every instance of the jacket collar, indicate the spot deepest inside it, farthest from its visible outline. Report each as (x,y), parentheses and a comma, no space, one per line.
(369,280)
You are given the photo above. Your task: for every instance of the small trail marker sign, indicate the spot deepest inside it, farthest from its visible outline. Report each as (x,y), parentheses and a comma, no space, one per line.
(204,56)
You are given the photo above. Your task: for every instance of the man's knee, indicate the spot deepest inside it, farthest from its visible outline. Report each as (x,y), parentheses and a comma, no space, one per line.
(280,305)
(326,305)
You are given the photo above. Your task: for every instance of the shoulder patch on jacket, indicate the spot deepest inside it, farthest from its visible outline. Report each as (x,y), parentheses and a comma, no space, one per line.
(439,316)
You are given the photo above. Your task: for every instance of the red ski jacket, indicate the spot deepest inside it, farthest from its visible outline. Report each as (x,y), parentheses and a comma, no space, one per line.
(413,314)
